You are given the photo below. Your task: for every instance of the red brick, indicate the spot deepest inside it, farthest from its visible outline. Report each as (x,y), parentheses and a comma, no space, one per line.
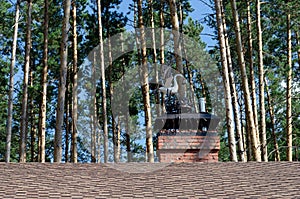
(186,148)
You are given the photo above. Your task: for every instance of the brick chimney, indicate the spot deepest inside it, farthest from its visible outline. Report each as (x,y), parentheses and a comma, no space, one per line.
(188,137)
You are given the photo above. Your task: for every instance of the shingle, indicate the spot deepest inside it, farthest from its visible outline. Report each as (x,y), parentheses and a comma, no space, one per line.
(148,180)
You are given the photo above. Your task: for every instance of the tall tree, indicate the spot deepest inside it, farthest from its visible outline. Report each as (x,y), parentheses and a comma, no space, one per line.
(272,118)
(252,75)
(62,83)
(32,117)
(225,74)
(24,114)
(176,35)
(145,85)
(298,43)
(150,5)
(234,95)
(43,106)
(162,37)
(245,86)
(154,53)
(175,28)
(261,70)
(117,152)
(289,152)
(116,141)
(75,86)
(126,117)
(11,84)
(102,69)
(177,43)
(67,115)
(93,122)
(192,29)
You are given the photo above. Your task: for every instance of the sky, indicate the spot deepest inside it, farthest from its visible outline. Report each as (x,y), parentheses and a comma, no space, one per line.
(201,9)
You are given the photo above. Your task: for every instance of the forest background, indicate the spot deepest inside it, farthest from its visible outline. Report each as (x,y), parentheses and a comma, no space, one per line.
(255,46)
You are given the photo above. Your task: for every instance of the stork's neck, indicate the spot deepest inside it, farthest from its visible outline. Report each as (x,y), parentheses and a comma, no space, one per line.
(175,81)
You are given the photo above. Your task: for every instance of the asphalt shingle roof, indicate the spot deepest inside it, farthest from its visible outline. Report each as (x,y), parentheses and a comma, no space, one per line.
(146,180)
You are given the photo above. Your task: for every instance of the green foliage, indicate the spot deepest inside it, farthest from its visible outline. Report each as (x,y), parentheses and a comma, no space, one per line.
(114,21)
(274,13)
(224,152)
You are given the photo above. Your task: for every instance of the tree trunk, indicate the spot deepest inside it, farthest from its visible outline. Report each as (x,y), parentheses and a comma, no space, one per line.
(128,144)
(95,113)
(95,131)
(33,132)
(32,117)
(118,141)
(246,140)
(193,98)
(62,83)
(272,118)
(252,76)
(162,35)
(190,78)
(261,86)
(289,152)
(177,44)
(228,104)
(70,124)
(176,35)
(234,95)
(11,84)
(145,86)
(43,106)
(113,121)
(93,140)
(102,69)
(93,116)
(75,86)
(298,43)
(153,36)
(201,81)
(154,54)
(111,93)
(127,130)
(162,45)
(67,112)
(249,111)
(24,116)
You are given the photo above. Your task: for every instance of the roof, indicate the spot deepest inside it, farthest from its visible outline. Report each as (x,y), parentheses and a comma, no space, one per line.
(150,180)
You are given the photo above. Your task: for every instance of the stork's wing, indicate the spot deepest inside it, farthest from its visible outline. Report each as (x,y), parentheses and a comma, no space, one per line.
(168,82)
(168,77)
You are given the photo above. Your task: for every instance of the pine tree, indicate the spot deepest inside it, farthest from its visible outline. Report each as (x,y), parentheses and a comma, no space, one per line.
(176,40)
(234,95)
(145,86)
(225,74)
(24,114)
(245,86)
(252,75)
(62,83)
(261,84)
(102,69)
(11,84)
(43,106)
(289,128)
(75,85)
